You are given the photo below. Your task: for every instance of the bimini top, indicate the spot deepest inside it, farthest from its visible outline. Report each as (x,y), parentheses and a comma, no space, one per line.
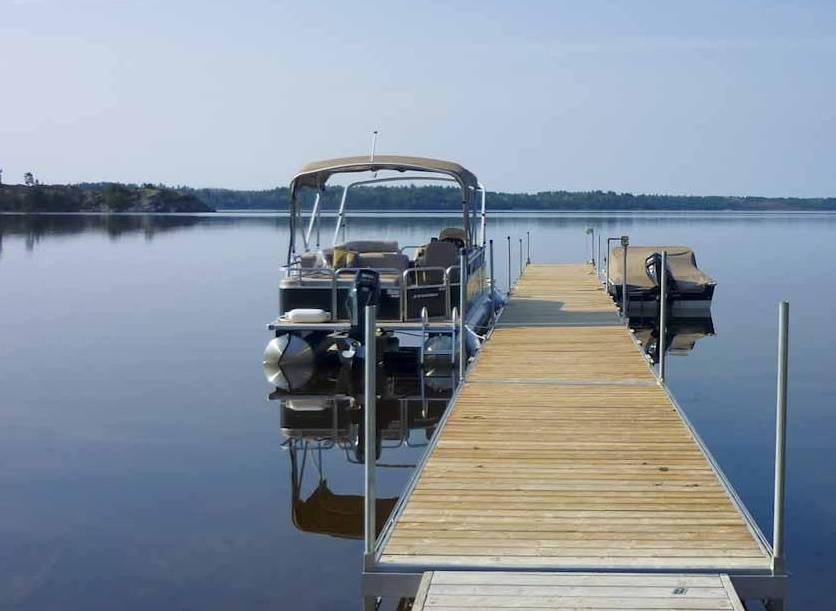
(316,174)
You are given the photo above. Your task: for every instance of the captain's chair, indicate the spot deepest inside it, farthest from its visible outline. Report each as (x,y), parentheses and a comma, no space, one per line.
(454,235)
(439,253)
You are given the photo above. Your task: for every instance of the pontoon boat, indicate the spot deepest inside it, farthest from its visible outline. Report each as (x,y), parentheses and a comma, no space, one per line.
(416,288)
(690,291)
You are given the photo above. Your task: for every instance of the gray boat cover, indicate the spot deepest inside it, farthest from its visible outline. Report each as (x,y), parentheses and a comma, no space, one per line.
(681,263)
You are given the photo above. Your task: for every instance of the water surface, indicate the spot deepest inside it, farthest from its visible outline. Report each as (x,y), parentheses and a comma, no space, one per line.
(144,465)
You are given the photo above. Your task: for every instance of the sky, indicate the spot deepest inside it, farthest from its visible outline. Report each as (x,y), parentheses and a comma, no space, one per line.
(729,98)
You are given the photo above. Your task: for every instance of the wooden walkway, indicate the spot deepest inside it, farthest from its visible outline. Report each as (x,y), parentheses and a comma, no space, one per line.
(444,591)
(562,452)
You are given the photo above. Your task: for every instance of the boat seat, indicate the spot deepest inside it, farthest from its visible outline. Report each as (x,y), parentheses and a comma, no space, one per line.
(383,260)
(439,254)
(455,235)
(436,254)
(315,259)
(371,246)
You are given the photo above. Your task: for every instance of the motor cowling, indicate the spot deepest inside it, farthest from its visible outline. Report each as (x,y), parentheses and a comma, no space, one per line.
(653,268)
(364,292)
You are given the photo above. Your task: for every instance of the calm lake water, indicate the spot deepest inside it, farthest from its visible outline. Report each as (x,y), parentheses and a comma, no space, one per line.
(143,465)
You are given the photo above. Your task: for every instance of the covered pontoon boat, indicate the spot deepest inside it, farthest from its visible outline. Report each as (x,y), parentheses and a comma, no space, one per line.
(416,288)
(690,291)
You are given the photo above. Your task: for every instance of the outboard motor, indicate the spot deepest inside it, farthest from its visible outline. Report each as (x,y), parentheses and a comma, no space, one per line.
(365,292)
(653,268)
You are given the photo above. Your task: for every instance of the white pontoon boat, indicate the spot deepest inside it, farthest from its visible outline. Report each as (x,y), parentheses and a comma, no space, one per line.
(416,288)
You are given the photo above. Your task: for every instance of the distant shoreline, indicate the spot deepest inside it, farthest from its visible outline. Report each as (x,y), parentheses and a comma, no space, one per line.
(148,198)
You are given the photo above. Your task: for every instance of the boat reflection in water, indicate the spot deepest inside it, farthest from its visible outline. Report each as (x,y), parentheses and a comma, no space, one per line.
(322,410)
(681,337)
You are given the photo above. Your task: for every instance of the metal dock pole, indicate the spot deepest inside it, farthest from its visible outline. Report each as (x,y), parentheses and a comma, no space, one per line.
(509,264)
(663,315)
(370,431)
(598,269)
(493,278)
(522,262)
(590,231)
(462,304)
(609,252)
(528,248)
(780,439)
(625,242)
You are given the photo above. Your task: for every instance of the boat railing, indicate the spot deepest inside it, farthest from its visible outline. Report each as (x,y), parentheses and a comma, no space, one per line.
(353,270)
(410,279)
(420,275)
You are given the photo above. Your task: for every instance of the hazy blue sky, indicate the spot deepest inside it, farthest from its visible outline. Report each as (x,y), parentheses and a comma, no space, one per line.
(703,97)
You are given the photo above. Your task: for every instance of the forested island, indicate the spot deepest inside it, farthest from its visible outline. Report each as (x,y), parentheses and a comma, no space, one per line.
(116,197)
(415,198)
(99,197)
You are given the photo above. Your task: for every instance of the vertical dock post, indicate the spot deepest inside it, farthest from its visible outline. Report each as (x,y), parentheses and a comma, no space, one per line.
(462,304)
(509,264)
(591,232)
(598,269)
(370,433)
(607,279)
(493,277)
(528,248)
(663,315)
(780,439)
(522,261)
(625,242)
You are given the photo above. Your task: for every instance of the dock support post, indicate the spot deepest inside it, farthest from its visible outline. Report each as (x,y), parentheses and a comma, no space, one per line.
(528,248)
(509,264)
(590,231)
(598,268)
(780,439)
(625,242)
(522,261)
(609,252)
(663,315)
(370,433)
(462,304)
(493,277)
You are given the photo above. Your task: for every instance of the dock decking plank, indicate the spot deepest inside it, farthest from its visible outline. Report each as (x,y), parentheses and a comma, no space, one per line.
(561,451)
(577,591)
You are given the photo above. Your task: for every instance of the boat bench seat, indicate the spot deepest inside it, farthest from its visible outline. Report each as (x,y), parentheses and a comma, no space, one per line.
(383,260)
(376,254)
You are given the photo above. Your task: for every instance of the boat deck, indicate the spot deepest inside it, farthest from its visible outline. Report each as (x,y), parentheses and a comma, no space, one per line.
(561,451)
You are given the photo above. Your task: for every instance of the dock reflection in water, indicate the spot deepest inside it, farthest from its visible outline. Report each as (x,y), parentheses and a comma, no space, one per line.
(321,410)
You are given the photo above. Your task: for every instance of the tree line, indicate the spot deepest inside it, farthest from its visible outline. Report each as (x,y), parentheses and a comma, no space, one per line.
(416,198)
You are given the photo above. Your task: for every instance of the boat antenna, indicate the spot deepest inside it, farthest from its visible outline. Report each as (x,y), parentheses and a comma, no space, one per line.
(374,147)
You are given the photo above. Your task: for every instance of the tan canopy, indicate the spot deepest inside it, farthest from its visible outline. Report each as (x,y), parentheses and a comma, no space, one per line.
(317,173)
(681,263)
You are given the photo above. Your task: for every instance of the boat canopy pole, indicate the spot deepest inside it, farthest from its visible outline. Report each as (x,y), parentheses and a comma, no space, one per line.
(314,215)
(316,175)
(291,245)
(341,215)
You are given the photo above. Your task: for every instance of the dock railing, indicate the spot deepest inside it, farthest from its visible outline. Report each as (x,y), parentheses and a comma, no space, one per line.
(780,438)
(663,315)
(370,435)
(750,586)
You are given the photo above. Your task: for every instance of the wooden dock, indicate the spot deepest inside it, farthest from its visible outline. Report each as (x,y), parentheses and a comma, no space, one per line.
(443,591)
(562,452)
